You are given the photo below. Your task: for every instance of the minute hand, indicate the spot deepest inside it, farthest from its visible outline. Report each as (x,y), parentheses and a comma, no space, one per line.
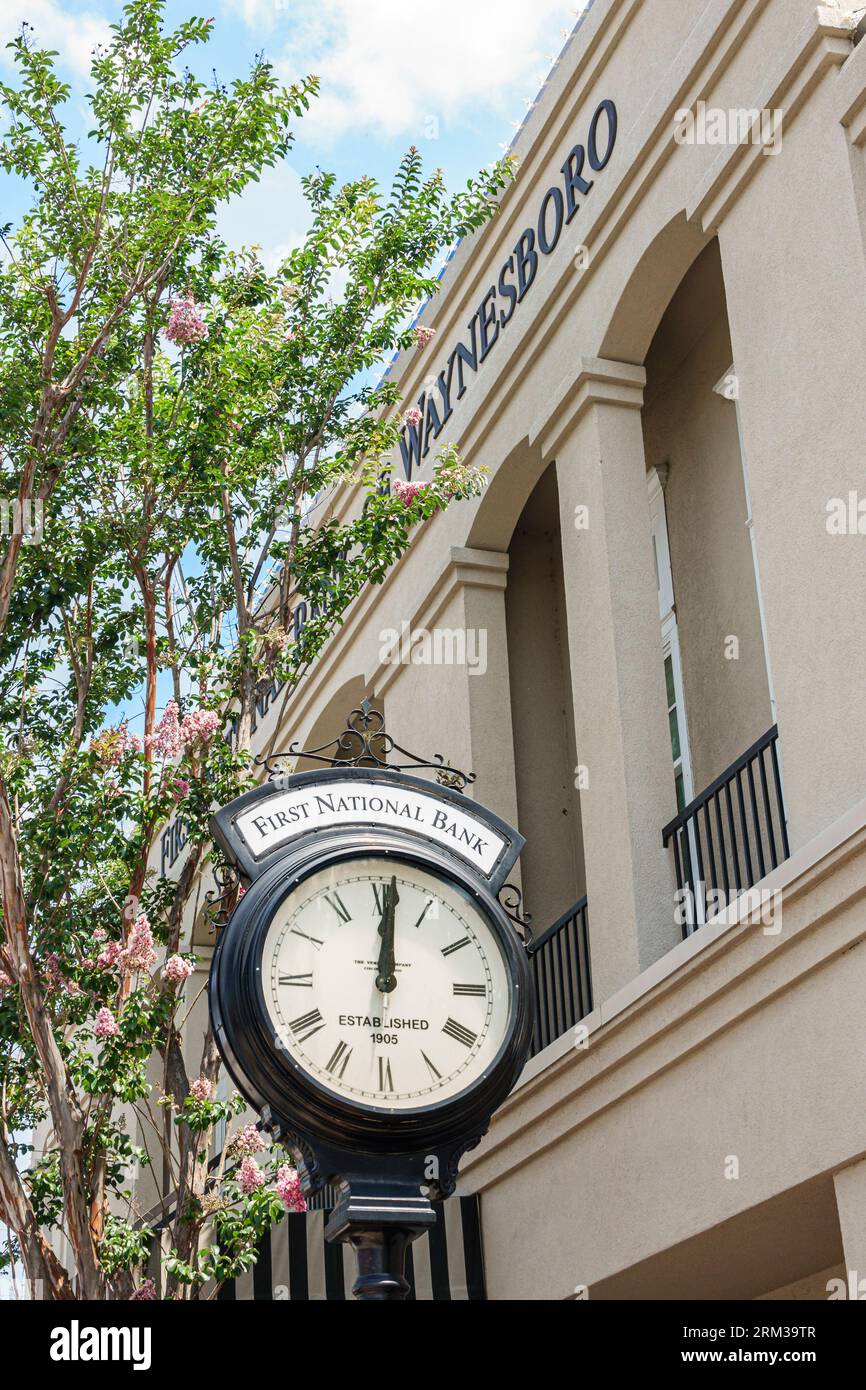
(386,980)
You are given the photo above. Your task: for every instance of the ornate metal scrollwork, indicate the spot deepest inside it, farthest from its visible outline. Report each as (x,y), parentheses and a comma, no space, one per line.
(365,743)
(510,900)
(219,903)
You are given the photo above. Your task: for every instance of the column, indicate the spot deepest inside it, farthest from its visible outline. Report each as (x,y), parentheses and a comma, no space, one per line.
(593,431)
(453,696)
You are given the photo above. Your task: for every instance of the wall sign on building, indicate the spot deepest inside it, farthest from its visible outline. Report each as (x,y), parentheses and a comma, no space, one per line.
(558,206)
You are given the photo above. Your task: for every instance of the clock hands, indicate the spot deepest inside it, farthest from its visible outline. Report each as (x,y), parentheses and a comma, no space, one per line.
(386,980)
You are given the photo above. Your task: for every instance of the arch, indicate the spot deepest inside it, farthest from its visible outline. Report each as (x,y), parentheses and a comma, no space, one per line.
(650,289)
(505,498)
(331,718)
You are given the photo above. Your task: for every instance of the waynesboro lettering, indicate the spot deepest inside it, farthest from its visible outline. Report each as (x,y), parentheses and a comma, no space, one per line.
(559,205)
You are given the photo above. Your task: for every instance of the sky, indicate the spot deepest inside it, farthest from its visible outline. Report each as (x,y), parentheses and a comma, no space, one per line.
(454,77)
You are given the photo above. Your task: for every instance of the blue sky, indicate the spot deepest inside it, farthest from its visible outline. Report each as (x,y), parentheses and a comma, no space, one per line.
(454,77)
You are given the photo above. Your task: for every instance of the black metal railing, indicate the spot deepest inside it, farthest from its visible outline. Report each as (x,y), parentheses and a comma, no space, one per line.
(732,835)
(560,966)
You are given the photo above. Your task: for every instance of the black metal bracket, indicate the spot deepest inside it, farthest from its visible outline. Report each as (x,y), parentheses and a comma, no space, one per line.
(510,899)
(216,909)
(365,743)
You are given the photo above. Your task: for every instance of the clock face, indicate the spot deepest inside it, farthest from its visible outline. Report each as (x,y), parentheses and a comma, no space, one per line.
(386,984)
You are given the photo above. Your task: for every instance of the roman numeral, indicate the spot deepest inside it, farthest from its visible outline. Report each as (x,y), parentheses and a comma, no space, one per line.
(459,1033)
(427,907)
(479,991)
(436,1075)
(308,1024)
(455,946)
(336,902)
(296,931)
(378,898)
(297,980)
(342,1053)
(385,1080)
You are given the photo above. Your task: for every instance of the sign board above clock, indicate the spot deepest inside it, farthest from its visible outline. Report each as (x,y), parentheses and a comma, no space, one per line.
(263,822)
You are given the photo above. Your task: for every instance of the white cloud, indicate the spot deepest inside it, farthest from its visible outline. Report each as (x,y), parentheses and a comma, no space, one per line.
(272,214)
(389,66)
(74,36)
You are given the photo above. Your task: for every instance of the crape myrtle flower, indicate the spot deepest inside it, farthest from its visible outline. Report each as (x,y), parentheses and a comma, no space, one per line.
(106,1024)
(186,322)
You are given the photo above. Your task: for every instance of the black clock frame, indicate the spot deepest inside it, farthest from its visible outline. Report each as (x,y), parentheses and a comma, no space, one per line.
(324,1125)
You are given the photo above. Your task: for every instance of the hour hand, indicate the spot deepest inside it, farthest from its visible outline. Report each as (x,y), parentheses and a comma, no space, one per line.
(386,979)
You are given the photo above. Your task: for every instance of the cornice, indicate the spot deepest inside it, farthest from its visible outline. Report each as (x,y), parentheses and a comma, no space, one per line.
(823,43)
(852,95)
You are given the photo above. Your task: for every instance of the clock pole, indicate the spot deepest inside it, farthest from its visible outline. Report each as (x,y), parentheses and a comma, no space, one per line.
(380,1227)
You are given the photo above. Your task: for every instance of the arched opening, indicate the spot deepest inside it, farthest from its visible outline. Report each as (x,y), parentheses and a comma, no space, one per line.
(713,642)
(541,706)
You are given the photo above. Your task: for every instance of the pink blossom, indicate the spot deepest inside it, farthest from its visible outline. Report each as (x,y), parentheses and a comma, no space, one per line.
(412,416)
(248,1141)
(288,1188)
(177,969)
(5,980)
(138,954)
(177,786)
(100,934)
(106,1024)
(250,1176)
(186,323)
(423,335)
(407,492)
(201,1089)
(88,963)
(166,739)
(112,745)
(109,956)
(199,725)
(55,980)
(241,891)
(145,1292)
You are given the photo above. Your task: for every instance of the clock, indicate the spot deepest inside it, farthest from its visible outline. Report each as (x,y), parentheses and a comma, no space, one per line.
(386,983)
(369,993)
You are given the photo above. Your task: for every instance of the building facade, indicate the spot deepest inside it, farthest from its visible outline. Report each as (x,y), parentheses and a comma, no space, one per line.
(646,639)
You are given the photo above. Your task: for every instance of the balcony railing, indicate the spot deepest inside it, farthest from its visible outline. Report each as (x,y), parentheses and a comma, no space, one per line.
(732,835)
(559,962)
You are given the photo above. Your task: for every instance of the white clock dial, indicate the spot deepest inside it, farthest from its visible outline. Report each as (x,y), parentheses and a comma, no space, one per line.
(386,984)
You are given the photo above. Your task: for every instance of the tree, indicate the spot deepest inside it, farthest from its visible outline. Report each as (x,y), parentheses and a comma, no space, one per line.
(184,421)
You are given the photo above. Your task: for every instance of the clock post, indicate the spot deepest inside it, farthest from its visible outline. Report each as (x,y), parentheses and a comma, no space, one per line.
(369,994)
